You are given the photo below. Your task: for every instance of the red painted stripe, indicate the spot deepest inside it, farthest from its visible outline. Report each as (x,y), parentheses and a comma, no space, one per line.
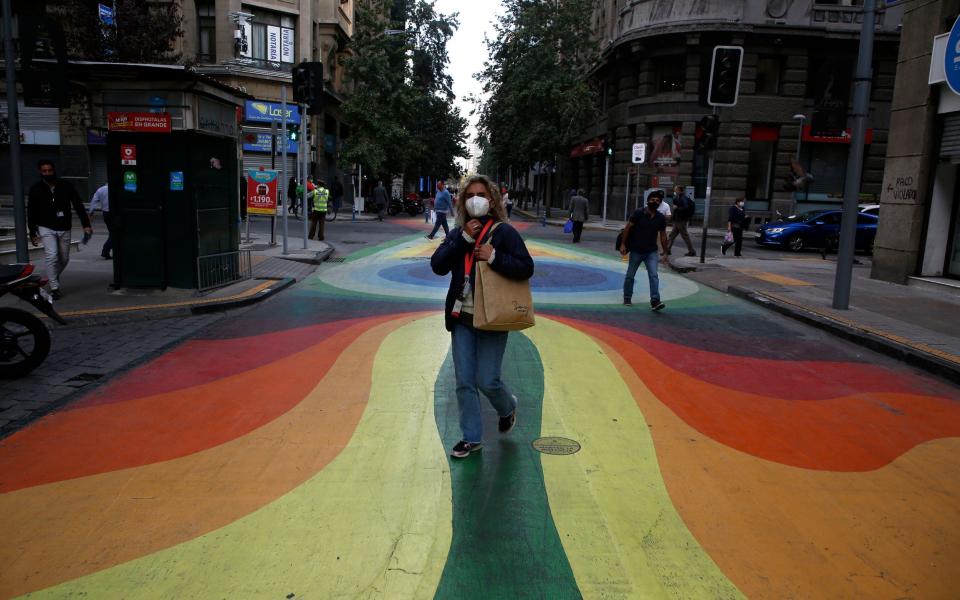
(197,362)
(142,431)
(843,431)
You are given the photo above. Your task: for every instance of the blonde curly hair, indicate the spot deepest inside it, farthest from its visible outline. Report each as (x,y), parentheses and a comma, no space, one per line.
(493,195)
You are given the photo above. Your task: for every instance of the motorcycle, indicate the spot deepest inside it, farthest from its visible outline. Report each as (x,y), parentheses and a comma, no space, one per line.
(24,338)
(411,205)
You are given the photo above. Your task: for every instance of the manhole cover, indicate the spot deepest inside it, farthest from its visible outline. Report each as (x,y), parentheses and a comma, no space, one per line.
(418,258)
(336,259)
(354,242)
(556,445)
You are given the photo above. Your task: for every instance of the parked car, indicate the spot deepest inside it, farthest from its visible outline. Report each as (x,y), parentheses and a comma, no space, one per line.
(811,230)
(870,209)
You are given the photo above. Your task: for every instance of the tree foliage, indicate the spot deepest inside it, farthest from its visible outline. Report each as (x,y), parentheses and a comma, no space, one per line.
(538,99)
(401,112)
(143,32)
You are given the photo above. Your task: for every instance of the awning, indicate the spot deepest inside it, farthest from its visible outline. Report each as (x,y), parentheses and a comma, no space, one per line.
(594,146)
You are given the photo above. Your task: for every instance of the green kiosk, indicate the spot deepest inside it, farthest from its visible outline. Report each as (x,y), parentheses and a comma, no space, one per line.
(172,168)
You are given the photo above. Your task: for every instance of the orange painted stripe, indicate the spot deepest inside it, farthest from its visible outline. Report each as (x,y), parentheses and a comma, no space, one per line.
(104,438)
(852,432)
(780,532)
(57,532)
(210,360)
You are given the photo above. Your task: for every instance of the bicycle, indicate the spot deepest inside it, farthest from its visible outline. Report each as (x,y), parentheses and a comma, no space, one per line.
(332,211)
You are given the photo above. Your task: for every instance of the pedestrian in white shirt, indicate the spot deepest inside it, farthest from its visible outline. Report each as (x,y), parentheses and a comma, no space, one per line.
(101,201)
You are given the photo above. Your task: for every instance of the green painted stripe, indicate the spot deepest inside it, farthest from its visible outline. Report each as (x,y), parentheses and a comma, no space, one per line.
(363,253)
(505,543)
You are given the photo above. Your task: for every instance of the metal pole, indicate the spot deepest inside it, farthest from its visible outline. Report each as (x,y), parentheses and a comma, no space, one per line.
(304,148)
(626,198)
(283,165)
(359,189)
(706,202)
(606,185)
(13,120)
(273,166)
(851,193)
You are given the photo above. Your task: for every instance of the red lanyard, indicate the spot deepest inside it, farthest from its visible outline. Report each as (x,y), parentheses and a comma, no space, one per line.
(468,258)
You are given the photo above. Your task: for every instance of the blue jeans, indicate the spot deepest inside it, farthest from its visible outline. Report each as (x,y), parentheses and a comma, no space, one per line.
(650,259)
(477,358)
(441,221)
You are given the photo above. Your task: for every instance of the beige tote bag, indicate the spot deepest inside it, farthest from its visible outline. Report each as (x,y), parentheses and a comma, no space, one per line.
(500,303)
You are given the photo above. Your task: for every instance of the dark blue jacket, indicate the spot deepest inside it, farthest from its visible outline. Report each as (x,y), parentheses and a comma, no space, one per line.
(511,260)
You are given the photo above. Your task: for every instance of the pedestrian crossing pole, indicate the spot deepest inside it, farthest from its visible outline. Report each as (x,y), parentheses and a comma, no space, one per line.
(706,201)
(282,200)
(851,195)
(304,151)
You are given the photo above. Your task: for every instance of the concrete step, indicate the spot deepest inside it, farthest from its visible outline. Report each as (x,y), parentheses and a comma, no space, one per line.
(937,284)
(8,250)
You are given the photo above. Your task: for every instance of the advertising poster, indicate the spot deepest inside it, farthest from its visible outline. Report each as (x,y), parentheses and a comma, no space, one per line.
(262,192)
(139,122)
(665,156)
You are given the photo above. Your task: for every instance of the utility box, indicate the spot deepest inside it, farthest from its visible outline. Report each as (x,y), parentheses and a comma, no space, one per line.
(174,203)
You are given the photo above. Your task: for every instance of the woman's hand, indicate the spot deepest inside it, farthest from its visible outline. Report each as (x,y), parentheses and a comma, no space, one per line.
(484,252)
(473,228)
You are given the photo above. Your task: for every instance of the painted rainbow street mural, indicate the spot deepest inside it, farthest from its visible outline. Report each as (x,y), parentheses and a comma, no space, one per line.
(299,450)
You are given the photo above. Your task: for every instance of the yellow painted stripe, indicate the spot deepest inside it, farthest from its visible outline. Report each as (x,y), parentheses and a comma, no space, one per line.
(947,356)
(100,311)
(622,535)
(376,522)
(772,277)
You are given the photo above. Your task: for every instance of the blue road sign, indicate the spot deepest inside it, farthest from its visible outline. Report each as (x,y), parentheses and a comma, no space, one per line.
(951,58)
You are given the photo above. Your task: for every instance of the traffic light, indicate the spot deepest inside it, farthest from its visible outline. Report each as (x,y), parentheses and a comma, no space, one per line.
(308,86)
(608,148)
(725,76)
(292,133)
(708,130)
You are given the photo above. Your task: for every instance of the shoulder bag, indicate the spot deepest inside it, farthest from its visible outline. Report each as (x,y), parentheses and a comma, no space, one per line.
(501,303)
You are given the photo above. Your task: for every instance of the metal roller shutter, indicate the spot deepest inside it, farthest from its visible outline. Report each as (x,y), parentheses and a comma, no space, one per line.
(255,161)
(950,141)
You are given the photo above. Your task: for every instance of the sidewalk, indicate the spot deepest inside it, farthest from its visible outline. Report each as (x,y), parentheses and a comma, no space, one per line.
(89,298)
(918,325)
(558,217)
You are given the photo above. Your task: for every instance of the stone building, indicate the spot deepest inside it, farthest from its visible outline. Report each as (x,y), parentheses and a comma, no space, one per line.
(254,45)
(795,92)
(918,241)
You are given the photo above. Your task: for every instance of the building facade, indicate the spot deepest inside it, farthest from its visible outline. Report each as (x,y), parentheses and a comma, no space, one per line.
(253,46)
(918,240)
(794,99)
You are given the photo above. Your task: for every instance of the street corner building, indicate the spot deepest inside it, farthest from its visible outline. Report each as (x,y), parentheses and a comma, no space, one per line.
(795,95)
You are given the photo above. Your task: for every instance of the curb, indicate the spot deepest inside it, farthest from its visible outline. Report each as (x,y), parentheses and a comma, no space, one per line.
(281,285)
(862,337)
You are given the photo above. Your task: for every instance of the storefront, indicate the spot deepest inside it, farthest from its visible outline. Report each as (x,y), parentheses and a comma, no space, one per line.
(941,245)
(255,136)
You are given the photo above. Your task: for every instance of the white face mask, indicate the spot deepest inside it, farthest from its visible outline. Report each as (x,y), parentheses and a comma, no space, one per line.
(477,206)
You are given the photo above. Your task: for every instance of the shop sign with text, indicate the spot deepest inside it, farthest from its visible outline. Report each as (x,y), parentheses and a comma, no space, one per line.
(139,122)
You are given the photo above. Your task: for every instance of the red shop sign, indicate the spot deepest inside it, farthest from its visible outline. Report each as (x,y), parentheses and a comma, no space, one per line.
(139,122)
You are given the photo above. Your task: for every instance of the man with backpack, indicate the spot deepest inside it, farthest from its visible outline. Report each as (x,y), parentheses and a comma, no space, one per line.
(683,209)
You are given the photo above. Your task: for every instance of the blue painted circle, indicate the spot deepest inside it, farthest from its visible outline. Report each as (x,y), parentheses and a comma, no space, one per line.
(549,276)
(951,58)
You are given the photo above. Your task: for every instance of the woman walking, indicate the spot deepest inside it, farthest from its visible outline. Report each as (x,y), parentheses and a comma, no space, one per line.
(736,222)
(481,235)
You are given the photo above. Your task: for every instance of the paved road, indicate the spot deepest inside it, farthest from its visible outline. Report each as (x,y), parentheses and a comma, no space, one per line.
(299,449)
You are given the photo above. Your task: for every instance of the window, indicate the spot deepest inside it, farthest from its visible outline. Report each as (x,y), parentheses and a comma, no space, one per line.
(763,153)
(207,32)
(768,75)
(671,73)
(271,39)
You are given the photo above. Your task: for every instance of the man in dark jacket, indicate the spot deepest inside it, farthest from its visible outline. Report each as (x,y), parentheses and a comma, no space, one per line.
(683,211)
(49,220)
(380,199)
(640,240)
(579,213)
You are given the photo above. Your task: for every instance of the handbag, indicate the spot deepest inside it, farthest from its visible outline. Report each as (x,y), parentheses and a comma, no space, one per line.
(568,226)
(501,303)
(728,238)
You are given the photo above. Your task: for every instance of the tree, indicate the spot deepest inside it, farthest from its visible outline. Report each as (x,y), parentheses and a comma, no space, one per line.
(401,111)
(143,32)
(535,80)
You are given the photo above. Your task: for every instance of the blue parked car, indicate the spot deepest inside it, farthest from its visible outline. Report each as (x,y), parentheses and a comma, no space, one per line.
(812,229)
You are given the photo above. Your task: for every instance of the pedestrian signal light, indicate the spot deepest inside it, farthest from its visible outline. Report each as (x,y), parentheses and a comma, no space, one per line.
(308,86)
(725,76)
(708,130)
